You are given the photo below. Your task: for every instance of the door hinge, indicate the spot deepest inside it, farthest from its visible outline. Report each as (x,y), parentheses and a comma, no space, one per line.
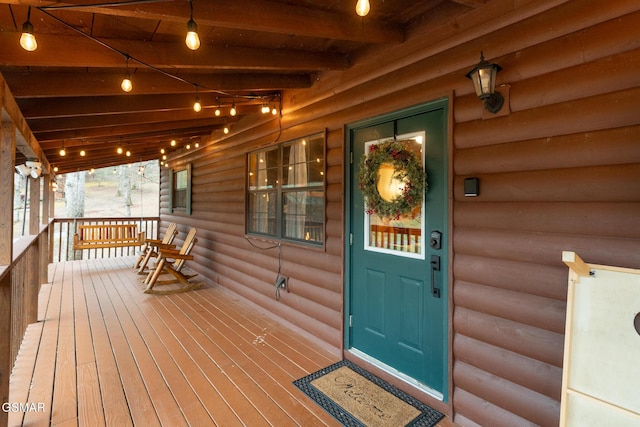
(351,157)
(350,239)
(351,320)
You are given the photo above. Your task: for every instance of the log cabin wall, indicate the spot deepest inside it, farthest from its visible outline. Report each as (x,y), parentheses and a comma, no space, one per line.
(559,169)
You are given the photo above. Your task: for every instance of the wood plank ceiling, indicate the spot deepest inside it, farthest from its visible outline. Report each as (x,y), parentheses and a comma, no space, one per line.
(69,88)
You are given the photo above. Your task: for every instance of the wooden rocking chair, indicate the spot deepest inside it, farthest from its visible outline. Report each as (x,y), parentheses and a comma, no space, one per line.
(152,246)
(172,261)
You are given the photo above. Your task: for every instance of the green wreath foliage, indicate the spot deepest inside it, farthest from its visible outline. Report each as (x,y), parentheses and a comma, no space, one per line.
(407,168)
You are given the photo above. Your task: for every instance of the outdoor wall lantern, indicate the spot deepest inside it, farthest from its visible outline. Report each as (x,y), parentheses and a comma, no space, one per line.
(483,77)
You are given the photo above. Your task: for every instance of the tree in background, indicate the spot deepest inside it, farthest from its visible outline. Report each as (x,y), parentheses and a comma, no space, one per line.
(74,199)
(74,194)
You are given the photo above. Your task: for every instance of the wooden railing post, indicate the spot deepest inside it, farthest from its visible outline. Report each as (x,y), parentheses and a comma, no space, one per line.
(6,360)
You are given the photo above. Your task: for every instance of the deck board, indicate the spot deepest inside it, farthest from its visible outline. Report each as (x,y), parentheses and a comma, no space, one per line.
(118,356)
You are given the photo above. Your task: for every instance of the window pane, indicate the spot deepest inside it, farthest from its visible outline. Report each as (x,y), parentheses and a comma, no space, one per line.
(303,215)
(262,213)
(303,163)
(181,179)
(263,169)
(286,190)
(180,198)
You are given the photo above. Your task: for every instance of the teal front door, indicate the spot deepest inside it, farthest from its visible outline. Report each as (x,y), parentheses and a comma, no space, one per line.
(397,267)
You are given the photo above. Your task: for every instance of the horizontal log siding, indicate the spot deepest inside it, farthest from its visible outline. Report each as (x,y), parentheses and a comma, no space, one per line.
(560,172)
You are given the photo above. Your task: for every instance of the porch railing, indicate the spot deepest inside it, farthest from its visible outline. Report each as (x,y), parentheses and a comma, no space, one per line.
(19,286)
(63,230)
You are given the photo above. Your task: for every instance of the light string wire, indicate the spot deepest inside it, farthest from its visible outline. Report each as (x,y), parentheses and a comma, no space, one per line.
(145,64)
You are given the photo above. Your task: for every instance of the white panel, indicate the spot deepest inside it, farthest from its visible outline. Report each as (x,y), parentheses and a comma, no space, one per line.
(605,345)
(602,348)
(586,412)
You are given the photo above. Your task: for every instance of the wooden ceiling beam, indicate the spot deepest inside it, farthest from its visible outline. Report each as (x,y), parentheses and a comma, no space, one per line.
(34,84)
(44,108)
(39,126)
(62,51)
(255,15)
(471,3)
(116,131)
(87,163)
(152,139)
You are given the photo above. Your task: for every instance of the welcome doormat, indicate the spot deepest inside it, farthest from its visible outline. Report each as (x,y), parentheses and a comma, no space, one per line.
(357,398)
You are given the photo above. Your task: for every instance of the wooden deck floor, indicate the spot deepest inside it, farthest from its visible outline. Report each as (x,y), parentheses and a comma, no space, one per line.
(105,353)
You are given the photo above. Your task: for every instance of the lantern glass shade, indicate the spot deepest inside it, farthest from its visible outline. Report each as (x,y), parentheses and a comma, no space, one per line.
(483,77)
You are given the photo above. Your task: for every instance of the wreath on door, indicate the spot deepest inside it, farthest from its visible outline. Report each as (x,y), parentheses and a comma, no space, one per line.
(391,179)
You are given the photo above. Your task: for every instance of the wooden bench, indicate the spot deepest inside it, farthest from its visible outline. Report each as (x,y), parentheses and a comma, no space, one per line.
(107,236)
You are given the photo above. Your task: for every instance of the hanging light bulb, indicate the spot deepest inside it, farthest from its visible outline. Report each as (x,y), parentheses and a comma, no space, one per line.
(197,106)
(162,151)
(92,171)
(362,7)
(119,150)
(83,153)
(233,111)
(217,112)
(126,84)
(274,111)
(192,40)
(128,153)
(55,169)
(226,129)
(63,152)
(197,145)
(28,39)
(173,142)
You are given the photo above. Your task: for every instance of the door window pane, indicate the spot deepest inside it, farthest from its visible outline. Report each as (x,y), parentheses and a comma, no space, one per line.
(403,235)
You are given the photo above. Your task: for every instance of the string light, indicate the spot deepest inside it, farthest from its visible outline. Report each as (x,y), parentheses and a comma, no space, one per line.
(173,143)
(83,153)
(63,152)
(217,112)
(28,39)
(192,40)
(126,84)
(363,7)
(233,111)
(197,106)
